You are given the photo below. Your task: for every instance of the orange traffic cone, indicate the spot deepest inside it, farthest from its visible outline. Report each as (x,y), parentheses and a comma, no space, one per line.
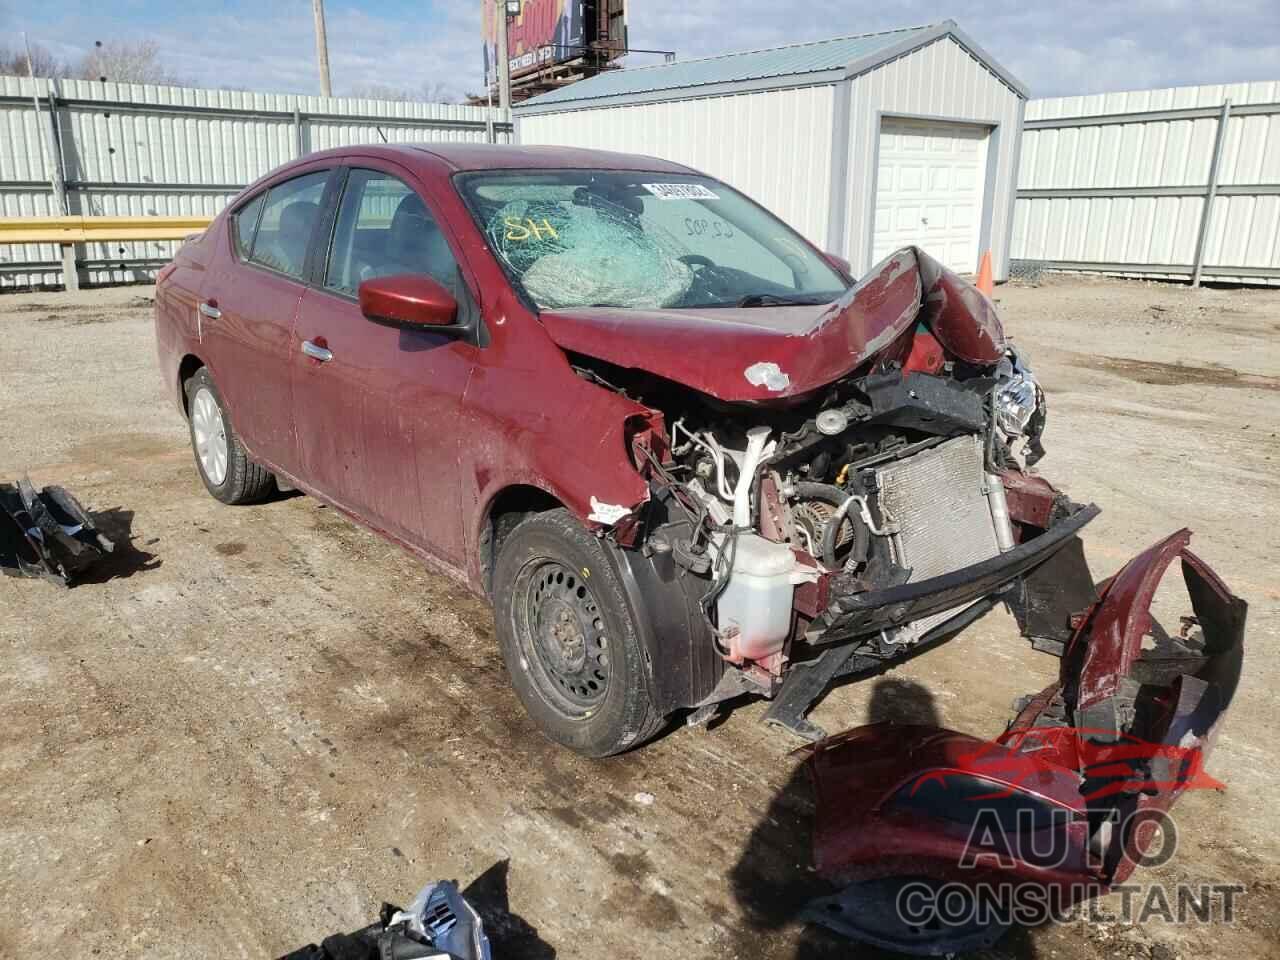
(984,275)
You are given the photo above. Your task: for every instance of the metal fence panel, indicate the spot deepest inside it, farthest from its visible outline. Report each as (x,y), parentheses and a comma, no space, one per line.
(1122,182)
(146,150)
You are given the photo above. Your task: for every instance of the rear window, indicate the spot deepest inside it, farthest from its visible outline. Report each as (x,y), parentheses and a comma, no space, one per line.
(287,222)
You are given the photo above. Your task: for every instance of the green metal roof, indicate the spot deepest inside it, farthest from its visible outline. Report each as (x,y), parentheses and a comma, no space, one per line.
(800,58)
(799,64)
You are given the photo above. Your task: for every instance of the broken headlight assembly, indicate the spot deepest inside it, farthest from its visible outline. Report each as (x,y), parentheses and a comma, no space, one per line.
(1017,398)
(1016,404)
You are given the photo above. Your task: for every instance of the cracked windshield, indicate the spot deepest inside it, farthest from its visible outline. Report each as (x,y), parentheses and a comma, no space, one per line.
(591,238)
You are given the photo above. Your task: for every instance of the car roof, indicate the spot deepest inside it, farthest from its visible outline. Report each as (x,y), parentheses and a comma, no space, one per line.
(486,156)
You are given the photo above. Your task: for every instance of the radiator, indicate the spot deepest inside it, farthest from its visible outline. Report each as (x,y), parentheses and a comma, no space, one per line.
(937,502)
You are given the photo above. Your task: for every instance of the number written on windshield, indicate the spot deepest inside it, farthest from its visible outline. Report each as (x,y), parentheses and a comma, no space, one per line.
(708,228)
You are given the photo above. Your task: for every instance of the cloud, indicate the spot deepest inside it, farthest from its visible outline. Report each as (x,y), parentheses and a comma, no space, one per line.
(1073,46)
(1070,47)
(270,47)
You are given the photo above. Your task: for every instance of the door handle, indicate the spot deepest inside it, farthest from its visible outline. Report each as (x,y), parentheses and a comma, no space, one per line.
(316,352)
(209,308)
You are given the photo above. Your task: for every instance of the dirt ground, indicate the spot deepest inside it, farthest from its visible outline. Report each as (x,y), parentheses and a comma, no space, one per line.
(258,723)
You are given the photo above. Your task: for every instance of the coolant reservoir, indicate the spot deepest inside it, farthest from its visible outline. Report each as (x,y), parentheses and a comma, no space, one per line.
(758,598)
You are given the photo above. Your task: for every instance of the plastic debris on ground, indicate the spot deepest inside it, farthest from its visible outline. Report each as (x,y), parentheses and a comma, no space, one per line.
(47,534)
(438,925)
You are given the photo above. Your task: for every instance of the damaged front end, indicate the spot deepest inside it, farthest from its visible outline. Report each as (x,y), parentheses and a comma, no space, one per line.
(1065,803)
(860,495)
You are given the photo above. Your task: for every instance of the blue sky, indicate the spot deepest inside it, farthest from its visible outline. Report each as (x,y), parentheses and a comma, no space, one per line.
(1059,48)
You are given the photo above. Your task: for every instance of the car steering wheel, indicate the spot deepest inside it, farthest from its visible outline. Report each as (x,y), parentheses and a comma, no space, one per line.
(696,260)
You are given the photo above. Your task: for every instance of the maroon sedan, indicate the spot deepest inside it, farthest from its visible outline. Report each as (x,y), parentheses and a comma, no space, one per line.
(682,452)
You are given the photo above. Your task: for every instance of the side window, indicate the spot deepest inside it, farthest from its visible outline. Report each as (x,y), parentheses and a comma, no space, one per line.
(384,228)
(288,217)
(243,223)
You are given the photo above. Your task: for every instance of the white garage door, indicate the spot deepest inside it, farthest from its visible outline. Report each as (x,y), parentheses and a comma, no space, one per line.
(929,187)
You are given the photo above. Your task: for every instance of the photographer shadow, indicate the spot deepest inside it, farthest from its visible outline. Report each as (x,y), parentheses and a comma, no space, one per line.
(510,935)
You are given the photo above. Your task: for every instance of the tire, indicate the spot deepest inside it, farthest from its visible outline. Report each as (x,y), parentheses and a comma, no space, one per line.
(228,473)
(569,639)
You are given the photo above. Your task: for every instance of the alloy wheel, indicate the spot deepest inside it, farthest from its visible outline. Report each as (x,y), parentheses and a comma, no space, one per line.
(210,435)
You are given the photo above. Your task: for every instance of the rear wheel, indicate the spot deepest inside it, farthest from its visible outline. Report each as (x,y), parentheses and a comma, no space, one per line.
(224,466)
(569,639)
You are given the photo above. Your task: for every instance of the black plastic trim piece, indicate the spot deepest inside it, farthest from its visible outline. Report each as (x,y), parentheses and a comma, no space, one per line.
(684,667)
(856,614)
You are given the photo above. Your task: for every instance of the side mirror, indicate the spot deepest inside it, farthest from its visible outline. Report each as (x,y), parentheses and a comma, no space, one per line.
(840,263)
(408,300)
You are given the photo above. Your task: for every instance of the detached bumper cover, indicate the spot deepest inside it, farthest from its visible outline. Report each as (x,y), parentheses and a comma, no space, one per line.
(46,534)
(1122,733)
(852,614)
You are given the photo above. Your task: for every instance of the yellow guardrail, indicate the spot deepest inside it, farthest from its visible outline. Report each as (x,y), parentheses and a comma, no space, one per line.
(89,229)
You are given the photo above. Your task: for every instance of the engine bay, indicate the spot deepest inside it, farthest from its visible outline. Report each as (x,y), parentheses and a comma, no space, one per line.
(888,476)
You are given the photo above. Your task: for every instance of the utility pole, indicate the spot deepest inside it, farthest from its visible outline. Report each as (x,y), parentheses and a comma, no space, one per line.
(504,61)
(322,48)
(488,114)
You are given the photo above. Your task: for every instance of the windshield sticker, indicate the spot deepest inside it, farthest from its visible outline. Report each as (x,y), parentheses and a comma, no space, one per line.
(520,231)
(679,191)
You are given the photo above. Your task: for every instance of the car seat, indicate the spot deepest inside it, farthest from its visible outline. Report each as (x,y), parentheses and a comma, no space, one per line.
(288,252)
(416,245)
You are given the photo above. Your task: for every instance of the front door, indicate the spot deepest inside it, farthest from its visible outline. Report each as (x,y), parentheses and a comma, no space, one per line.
(376,407)
(248,305)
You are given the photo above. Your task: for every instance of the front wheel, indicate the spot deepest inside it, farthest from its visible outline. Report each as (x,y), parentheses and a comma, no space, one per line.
(569,639)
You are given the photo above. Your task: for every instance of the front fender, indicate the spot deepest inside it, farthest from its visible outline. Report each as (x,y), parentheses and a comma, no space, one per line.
(570,440)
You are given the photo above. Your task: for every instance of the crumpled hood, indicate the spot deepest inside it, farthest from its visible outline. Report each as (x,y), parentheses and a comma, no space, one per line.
(769,353)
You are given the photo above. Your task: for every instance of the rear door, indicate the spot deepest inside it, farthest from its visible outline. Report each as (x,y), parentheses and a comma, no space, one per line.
(249,302)
(377,422)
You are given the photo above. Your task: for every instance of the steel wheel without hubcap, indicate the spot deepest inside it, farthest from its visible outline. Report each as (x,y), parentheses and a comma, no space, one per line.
(569,637)
(562,639)
(210,435)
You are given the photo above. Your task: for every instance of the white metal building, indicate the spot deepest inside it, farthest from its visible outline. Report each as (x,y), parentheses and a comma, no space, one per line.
(863,143)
